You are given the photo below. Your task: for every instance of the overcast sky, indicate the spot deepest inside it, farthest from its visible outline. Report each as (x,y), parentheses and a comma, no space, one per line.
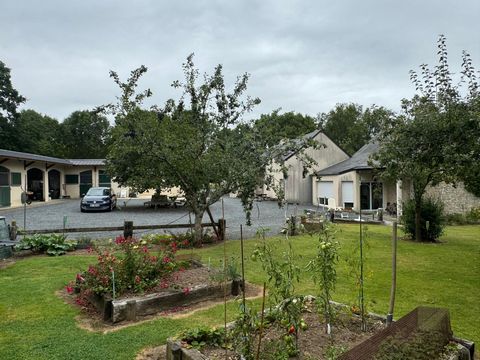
(303,56)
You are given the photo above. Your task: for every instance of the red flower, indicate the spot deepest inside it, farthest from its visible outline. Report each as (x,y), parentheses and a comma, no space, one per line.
(166,260)
(145,249)
(69,289)
(164,284)
(186,291)
(174,246)
(120,240)
(291,330)
(89,250)
(92,270)
(185,243)
(80,278)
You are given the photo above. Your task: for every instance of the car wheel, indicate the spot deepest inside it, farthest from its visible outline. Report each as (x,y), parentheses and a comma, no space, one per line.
(81,210)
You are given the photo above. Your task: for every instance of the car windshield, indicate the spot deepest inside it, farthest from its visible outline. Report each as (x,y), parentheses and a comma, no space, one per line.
(98,192)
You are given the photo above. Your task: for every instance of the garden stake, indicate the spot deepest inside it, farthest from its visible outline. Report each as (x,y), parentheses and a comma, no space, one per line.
(224,283)
(260,331)
(362,306)
(394,274)
(113,284)
(243,266)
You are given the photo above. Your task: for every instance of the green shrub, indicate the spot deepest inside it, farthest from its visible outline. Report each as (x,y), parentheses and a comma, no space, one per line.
(51,244)
(473,216)
(431,218)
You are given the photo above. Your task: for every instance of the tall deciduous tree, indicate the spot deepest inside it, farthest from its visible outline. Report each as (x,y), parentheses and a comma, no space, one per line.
(38,134)
(198,143)
(289,125)
(436,138)
(10,99)
(351,127)
(85,134)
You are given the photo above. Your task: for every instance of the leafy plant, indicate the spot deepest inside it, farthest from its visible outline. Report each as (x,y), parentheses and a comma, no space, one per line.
(243,333)
(323,270)
(202,336)
(51,244)
(129,266)
(333,352)
(431,219)
(421,345)
(282,276)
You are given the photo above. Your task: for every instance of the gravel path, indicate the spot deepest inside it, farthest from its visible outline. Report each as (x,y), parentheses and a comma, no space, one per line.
(47,216)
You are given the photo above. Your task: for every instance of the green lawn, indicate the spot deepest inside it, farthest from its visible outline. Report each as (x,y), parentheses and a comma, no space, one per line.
(36,324)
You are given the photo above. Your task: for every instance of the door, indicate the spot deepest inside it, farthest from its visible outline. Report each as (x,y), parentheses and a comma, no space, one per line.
(85,181)
(54,184)
(4,186)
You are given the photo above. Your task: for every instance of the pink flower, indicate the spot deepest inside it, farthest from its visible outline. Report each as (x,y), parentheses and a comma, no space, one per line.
(69,289)
(166,260)
(137,279)
(164,284)
(89,250)
(92,270)
(80,278)
(119,240)
(186,291)
(145,249)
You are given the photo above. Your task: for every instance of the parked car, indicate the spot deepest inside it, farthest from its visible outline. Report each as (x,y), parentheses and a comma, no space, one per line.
(98,198)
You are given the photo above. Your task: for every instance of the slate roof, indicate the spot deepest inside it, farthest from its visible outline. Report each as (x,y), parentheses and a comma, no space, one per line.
(48,159)
(358,161)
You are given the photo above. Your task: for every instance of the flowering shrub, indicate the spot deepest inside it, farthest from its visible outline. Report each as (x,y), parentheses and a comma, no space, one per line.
(128,267)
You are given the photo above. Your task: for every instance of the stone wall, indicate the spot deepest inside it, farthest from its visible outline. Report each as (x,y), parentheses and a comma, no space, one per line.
(456,199)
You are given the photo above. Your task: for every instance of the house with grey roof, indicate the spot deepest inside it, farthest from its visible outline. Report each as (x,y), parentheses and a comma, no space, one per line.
(48,178)
(354,184)
(297,182)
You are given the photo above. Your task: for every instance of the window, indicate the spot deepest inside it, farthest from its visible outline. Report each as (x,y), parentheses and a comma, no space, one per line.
(347,194)
(16,179)
(371,195)
(325,191)
(71,179)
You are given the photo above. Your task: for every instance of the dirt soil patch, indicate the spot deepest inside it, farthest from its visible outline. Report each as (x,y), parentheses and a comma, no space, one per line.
(313,343)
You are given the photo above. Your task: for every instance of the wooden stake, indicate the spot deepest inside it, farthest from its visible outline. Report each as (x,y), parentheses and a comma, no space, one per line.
(261,323)
(394,274)
(243,266)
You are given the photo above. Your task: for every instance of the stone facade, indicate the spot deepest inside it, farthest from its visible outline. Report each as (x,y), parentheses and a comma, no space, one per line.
(456,199)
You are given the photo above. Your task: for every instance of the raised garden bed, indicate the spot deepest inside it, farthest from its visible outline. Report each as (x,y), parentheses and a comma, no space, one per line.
(192,286)
(347,341)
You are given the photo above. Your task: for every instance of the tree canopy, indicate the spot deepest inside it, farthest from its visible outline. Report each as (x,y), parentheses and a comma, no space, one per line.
(38,134)
(290,125)
(436,138)
(198,143)
(85,134)
(10,99)
(351,127)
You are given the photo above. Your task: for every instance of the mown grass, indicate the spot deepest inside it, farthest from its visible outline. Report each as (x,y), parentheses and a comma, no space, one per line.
(36,324)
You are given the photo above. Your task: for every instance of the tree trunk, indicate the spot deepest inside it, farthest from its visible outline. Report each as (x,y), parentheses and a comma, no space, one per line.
(418,221)
(198,227)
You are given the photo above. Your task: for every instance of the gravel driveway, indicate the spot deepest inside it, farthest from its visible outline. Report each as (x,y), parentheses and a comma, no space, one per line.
(47,216)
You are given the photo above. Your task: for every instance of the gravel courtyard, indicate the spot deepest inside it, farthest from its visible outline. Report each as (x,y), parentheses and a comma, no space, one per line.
(48,216)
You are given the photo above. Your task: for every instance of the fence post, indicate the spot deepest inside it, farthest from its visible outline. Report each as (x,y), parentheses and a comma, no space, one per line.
(221,229)
(127,229)
(13,230)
